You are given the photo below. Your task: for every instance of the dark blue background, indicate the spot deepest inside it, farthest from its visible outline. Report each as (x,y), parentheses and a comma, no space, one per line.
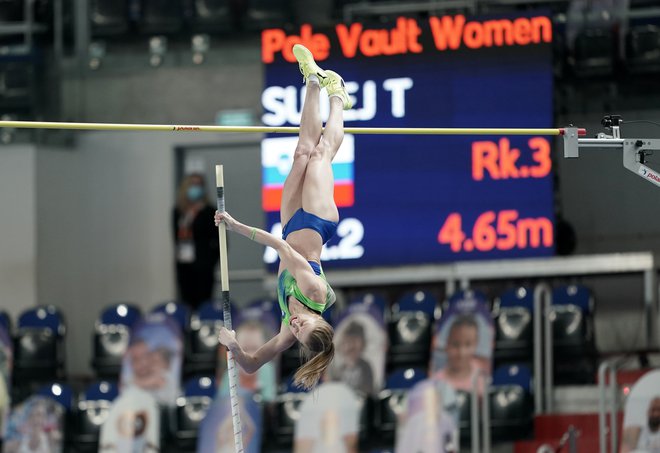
(406,186)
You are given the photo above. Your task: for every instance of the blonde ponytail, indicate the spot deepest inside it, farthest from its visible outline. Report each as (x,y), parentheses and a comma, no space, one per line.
(318,353)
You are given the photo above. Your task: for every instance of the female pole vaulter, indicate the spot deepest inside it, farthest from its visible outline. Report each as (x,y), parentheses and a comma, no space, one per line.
(309,215)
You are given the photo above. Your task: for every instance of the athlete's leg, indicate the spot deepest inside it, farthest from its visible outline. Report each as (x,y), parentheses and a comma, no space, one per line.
(308,137)
(318,187)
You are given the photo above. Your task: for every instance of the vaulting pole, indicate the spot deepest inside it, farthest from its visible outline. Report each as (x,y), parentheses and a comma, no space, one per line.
(226,311)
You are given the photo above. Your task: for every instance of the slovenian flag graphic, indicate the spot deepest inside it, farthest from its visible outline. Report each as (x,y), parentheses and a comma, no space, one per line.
(276,162)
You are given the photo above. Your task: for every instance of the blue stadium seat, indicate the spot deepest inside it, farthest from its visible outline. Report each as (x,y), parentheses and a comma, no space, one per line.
(467,294)
(574,347)
(62,393)
(511,405)
(514,328)
(268,305)
(39,345)
(178,311)
(5,321)
(111,336)
(571,314)
(371,298)
(92,410)
(265,311)
(202,342)
(410,330)
(392,401)
(191,408)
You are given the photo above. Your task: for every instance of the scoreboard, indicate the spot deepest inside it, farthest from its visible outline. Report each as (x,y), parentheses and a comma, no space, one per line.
(407,199)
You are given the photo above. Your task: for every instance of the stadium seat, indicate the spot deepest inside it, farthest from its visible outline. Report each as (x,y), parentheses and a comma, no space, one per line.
(642,44)
(571,315)
(266,311)
(191,408)
(17,86)
(514,328)
(161,16)
(39,346)
(11,10)
(392,401)
(410,329)
(365,420)
(594,53)
(262,14)
(371,298)
(178,311)
(319,16)
(5,321)
(281,417)
(202,343)
(511,405)
(466,295)
(92,411)
(464,409)
(290,361)
(108,17)
(213,16)
(574,350)
(111,337)
(62,393)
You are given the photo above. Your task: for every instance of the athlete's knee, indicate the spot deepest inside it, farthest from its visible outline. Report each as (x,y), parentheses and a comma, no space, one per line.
(303,152)
(322,150)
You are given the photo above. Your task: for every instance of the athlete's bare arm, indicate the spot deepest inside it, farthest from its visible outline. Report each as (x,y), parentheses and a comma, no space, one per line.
(308,282)
(252,362)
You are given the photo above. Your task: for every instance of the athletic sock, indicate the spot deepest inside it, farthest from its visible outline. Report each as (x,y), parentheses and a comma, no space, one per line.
(313,79)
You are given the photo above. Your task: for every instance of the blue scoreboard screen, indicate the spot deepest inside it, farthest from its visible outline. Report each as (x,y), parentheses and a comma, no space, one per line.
(411,199)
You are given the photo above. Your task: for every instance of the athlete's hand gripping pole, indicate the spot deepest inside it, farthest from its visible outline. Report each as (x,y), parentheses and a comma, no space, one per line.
(224,283)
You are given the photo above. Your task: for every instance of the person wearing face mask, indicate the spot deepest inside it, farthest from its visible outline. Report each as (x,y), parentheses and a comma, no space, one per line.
(196,242)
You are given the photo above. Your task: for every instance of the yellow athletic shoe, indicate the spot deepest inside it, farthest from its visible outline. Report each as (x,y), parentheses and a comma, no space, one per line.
(336,87)
(308,66)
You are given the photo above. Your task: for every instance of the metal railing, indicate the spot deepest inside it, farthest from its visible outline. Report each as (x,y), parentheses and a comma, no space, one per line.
(603,387)
(543,359)
(481,442)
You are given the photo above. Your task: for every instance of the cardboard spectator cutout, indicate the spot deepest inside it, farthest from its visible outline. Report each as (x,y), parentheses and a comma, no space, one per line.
(429,424)
(360,347)
(329,420)
(35,426)
(133,424)
(216,433)
(153,359)
(641,420)
(255,326)
(463,342)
